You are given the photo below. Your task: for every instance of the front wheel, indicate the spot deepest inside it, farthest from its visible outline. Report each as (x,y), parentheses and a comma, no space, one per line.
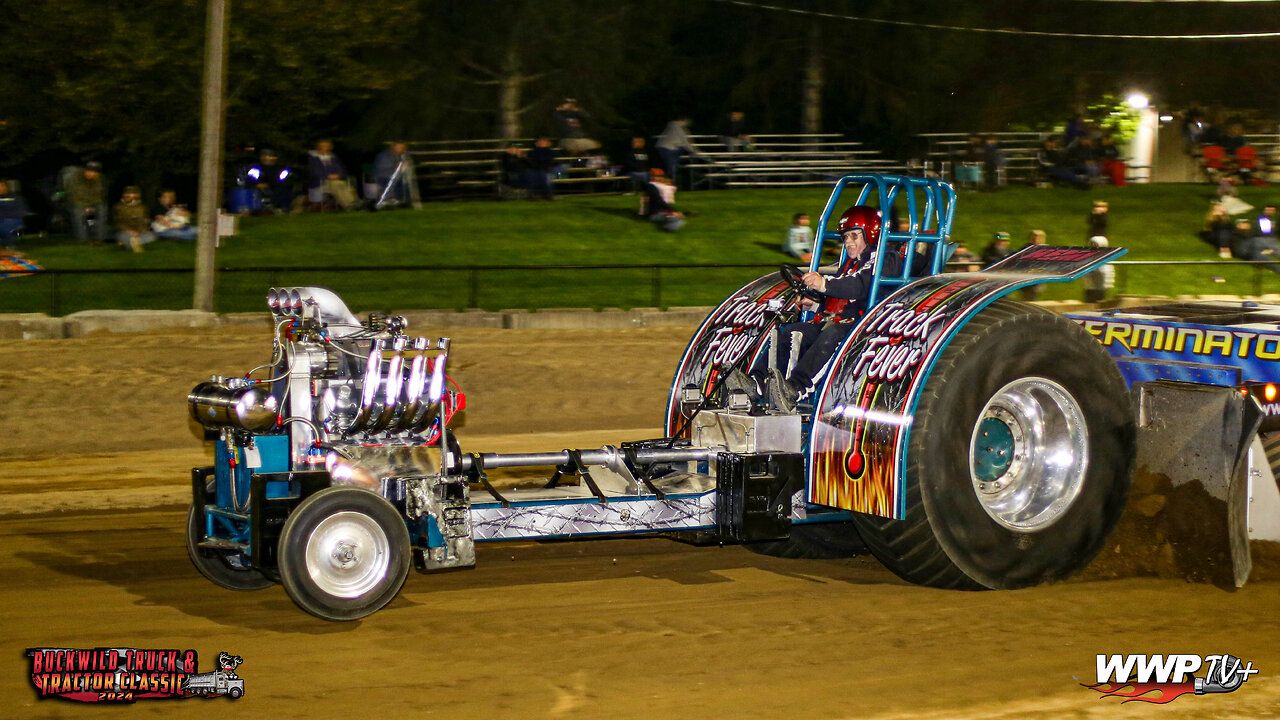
(1019,457)
(224,568)
(343,553)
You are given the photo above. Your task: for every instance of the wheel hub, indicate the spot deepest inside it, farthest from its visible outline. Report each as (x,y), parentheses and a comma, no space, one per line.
(1028,454)
(348,554)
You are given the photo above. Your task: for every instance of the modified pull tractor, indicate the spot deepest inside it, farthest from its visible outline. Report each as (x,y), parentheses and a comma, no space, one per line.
(968,440)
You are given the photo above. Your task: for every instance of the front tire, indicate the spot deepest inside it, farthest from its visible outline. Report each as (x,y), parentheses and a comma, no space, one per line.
(218,565)
(1019,457)
(343,553)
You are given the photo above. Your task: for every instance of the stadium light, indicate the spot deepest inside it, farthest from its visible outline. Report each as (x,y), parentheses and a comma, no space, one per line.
(1137,101)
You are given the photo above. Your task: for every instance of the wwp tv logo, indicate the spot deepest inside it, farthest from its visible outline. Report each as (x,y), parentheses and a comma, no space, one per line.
(1163,678)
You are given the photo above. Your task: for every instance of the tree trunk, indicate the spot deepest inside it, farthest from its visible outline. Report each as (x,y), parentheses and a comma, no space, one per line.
(509,96)
(811,119)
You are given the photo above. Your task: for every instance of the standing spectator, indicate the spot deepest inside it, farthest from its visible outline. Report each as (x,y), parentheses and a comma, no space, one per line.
(1077,127)
(799,242)
(1031,293)
(87,203)
(1218,230)
(13,213)
(327,176)
(393,172)
(734,132)
(1113,166)
(543,168)
(992,161)
(169,220)
(570,122)
(1097,220)
(963,254)
(673,143)
(997,250)
(636,163)
(132,223)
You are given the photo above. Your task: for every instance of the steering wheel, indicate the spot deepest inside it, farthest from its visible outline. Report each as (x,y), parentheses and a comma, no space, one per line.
(792,275)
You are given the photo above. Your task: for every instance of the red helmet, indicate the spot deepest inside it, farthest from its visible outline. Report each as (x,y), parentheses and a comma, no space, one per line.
(861,216)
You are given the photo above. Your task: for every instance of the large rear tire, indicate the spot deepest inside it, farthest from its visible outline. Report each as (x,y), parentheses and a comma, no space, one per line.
(343,553)
(1019,458)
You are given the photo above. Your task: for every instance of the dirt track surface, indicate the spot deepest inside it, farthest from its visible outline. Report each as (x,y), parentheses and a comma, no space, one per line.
(93,481)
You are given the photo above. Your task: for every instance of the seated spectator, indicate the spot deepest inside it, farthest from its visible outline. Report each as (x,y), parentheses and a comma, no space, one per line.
(659,203)
(13,213)
(169,220)
(733,134)
(799,242)
(327,177)
(271,181)
(1247,246)
(969,161)
(1265,225)
(636,163)
(1218,230)
(1081,157)
(87,203)
(963,254)
(513,172)
(132,223)
(1234,139)
(1113,166)
(997,250)
(394,173)
(1053,168)
(571,123)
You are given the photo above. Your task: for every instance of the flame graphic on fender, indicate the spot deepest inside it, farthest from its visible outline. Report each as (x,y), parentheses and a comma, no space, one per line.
(1137,691)
(854,470)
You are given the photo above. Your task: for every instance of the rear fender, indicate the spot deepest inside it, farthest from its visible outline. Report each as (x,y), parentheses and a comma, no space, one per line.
(736,329)
(863,414)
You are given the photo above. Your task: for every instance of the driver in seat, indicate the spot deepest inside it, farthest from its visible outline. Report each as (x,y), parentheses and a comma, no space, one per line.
(802,350)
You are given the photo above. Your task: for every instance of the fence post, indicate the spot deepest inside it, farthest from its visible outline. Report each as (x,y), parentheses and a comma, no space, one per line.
(657,287)
(473,298)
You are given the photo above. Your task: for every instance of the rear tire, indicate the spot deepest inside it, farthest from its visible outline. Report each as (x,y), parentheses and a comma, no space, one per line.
(813,541)
(343,553)
(1019,457)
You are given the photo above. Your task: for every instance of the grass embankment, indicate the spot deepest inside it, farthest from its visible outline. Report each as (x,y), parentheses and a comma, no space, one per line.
(1155,222)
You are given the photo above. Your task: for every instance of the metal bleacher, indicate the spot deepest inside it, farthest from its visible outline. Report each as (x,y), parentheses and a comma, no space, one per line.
(782,161)
(459,168)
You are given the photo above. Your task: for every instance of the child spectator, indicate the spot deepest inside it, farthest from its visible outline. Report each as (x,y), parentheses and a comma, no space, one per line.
(1032,293)
(660,197)
(132,220)
(1097,221)
(799,242)
(1100,281)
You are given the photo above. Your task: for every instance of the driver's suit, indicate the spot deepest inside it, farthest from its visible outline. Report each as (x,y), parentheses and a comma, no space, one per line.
(804,349)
